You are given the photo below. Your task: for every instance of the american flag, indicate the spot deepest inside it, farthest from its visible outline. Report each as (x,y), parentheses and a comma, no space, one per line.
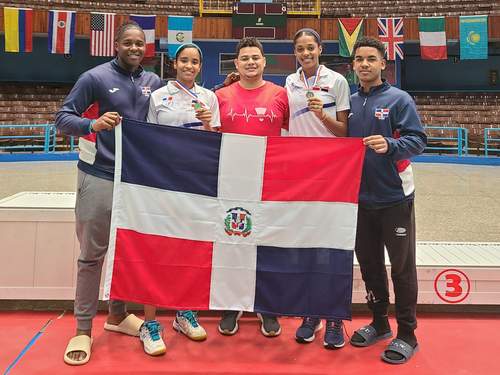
(390,32)
(102,34)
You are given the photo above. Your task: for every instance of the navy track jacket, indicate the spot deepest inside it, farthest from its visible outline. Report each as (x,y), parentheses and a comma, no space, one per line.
(388,111)
(105,88)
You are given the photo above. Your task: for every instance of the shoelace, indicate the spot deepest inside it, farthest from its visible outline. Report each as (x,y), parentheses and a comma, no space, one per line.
(153,329)
(310,323)
(189,315)
(332,326)
(335,327)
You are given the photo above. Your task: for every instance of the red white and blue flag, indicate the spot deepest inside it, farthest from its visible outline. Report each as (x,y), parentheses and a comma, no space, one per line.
(211,221)
(61,31)
(390,32)
(148,24)
(102,34)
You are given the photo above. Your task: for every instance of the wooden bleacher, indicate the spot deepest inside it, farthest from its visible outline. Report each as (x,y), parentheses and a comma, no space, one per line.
(333,8)
(26,104)
(472,111)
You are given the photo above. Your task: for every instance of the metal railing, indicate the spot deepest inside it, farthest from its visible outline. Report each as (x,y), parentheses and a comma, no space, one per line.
(31,138)
(488,140)
(457,141)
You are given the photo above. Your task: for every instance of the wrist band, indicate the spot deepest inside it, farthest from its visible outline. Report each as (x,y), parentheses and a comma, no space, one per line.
(91,129)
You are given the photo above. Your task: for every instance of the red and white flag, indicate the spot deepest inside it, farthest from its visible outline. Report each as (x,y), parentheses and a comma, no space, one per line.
(263,224)
(102,34)
(61,31)
(148,25)
(390,32)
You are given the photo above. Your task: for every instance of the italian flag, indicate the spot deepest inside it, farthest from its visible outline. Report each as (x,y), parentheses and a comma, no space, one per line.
(432,38)
(350,29)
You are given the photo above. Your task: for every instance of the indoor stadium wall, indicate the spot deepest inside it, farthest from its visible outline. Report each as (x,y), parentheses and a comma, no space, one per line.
(434,81)
(334,8)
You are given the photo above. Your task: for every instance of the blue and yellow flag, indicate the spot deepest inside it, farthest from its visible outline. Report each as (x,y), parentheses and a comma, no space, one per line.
(18,29)
(473,37)
(180,31)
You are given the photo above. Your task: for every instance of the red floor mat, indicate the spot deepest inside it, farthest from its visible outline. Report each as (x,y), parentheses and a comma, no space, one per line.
(449,344)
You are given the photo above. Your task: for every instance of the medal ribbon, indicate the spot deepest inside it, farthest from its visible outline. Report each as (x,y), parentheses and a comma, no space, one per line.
(316,77)
(192,94)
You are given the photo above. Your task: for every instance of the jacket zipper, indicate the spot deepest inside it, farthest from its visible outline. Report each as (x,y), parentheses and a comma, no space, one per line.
(365,134)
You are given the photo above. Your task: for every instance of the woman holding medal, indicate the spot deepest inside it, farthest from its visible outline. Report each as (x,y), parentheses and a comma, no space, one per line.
(318,96)
(319,107)
(180,103)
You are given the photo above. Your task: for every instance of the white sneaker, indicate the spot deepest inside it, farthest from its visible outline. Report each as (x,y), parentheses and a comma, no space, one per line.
(187,323)
(151,336)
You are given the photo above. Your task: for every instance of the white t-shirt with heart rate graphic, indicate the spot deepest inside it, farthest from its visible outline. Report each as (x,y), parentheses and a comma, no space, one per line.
(331,87)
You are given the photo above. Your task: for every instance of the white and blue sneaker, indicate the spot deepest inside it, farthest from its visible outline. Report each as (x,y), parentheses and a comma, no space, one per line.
(334,334)
(306,333)
(151,336)
(187,322)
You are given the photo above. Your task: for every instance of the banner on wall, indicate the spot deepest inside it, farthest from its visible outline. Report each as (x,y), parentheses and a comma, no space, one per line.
(18,27)
(432,38)
(148,24)
(61,35)
(473,37)
(390,32)
(350,30)
(180,31)
(102,34)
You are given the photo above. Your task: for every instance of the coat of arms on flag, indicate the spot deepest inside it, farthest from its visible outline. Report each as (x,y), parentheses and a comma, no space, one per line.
(148,24)
(205,220)
(18,27)
(350,30)
(390,32)
(102,34)
(61,31)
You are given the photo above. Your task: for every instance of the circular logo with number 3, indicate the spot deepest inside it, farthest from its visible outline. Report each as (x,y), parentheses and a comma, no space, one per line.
(452,285)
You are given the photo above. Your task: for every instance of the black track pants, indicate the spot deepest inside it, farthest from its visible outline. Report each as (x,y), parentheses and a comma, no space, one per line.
(393,227)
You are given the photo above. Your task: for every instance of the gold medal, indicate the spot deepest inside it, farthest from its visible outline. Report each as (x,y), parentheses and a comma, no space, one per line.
(309,94)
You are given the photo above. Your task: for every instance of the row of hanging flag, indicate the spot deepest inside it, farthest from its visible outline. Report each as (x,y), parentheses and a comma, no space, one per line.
(432,35)
(61,34)
(61,31)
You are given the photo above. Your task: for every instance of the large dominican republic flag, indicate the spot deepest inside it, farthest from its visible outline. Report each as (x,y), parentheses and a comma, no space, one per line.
(211,221)
(390,32)
(61,36)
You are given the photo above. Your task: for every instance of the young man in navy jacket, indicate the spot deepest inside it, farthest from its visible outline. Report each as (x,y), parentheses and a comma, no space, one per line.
(119,88)
(387,120)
